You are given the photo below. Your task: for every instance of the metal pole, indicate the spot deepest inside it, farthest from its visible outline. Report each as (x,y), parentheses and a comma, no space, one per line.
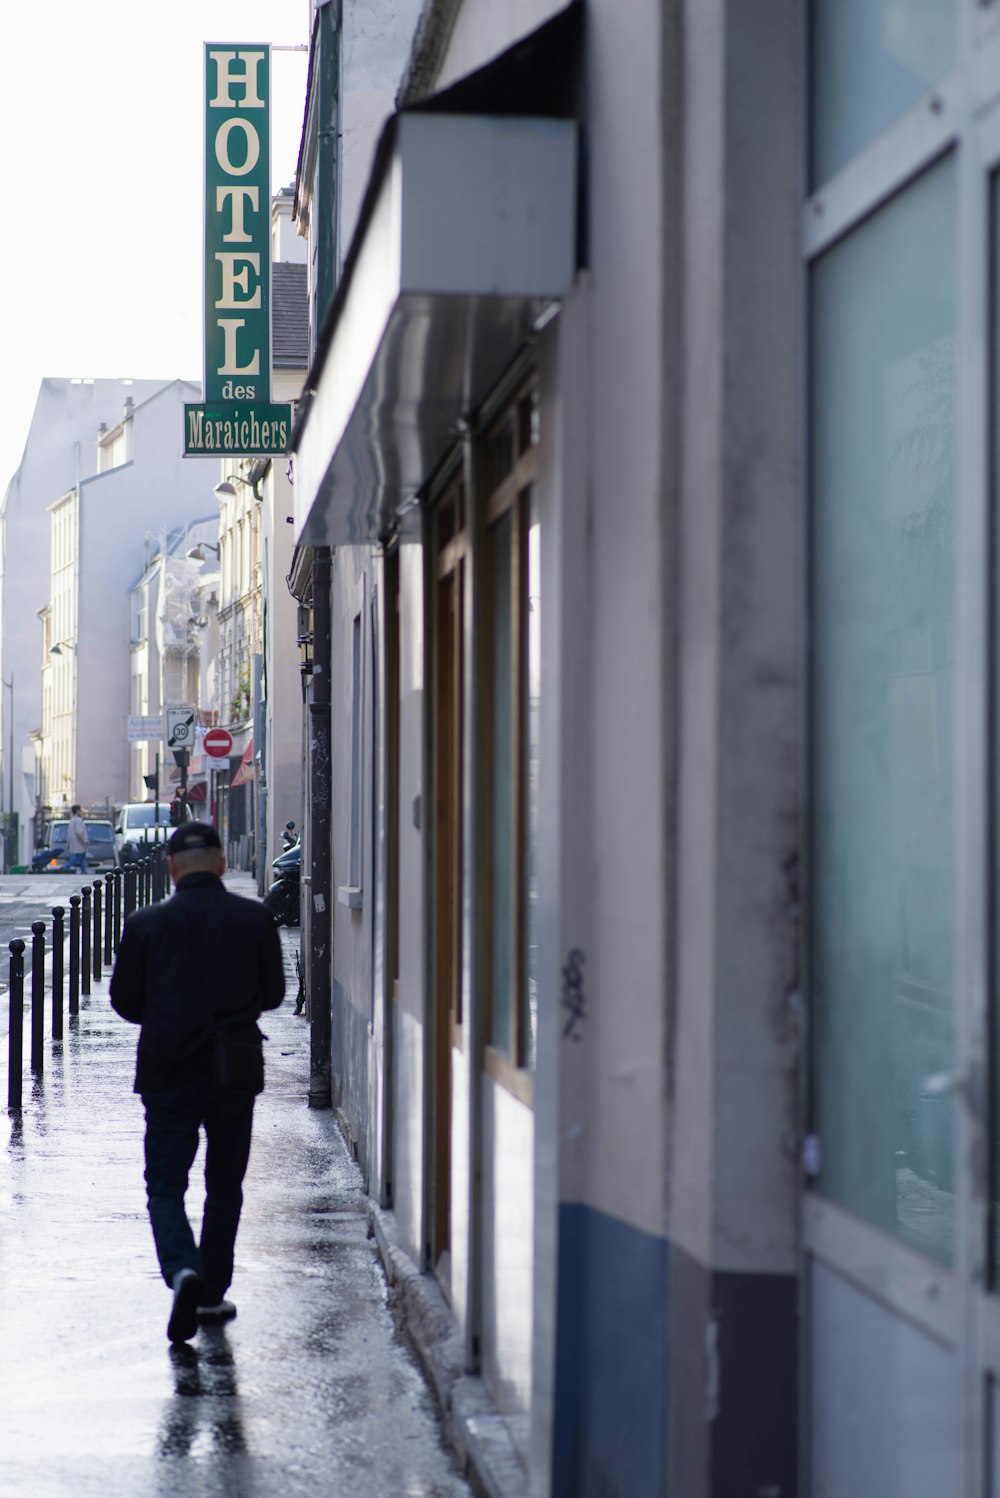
(74,954)
(109,880)
(15,1034)
(98,930)
(58,937)
(118,908)
(320,769)
(37,995)
(86,941)
(128,875)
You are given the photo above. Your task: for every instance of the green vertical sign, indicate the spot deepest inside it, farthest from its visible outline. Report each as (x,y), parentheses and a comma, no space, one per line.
(237,224)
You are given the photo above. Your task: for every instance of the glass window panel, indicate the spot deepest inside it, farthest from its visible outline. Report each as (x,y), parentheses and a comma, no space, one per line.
(532,715)
(995,354)
(502,821)
(884,462)
(871,60)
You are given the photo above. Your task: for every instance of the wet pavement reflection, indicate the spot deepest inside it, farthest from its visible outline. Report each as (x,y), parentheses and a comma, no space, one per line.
(308,1390)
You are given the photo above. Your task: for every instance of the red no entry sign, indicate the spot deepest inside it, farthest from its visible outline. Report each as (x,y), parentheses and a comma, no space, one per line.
(218,742)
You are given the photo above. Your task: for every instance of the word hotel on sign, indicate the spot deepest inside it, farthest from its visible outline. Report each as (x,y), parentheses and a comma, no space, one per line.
(237,147)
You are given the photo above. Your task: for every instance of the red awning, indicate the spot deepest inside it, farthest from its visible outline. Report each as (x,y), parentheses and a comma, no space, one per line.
(247,770)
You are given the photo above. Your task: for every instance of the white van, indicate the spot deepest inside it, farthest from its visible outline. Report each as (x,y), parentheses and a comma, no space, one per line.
(139,823)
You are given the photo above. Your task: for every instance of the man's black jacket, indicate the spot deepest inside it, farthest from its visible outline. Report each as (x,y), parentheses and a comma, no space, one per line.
(202,958)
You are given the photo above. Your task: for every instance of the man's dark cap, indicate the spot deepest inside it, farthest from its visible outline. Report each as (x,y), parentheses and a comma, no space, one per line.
(193,837)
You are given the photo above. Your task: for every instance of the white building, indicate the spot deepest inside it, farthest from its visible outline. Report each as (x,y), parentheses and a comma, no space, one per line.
(173,649)
(99,499)
(60,450)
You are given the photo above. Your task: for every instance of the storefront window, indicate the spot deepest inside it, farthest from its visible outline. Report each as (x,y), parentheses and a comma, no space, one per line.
(883,429)
(872,59)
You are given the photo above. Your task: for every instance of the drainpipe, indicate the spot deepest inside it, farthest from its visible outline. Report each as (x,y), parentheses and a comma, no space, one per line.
(320,954)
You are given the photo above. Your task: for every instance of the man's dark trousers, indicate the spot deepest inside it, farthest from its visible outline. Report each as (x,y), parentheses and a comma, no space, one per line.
(173,1120)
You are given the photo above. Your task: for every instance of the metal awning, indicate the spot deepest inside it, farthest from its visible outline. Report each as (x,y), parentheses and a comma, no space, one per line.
(468,232)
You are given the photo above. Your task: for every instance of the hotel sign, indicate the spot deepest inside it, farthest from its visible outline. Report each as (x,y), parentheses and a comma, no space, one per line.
(237,417)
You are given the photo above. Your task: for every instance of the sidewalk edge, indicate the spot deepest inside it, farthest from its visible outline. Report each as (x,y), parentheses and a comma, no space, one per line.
(473,1426)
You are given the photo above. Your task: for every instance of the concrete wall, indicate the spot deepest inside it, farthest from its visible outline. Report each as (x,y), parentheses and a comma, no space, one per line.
(485,28)
(375,43)
(60,449)
(157,491)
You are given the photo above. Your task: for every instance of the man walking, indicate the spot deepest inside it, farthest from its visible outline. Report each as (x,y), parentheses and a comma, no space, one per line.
(77,841)
(195,972)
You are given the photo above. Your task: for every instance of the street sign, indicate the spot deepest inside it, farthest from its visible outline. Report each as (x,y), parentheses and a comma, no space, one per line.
(218,742)
(237,223)
(180,727)
(260,430)
(142,727)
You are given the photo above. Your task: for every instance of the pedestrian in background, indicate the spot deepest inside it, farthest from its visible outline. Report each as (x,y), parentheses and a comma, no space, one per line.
(77,841)
(196,972)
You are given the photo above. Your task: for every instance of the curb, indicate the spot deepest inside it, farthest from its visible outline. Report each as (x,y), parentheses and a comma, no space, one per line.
(473,1427)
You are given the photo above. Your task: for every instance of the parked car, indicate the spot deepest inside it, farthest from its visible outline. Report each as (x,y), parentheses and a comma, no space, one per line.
(101,853)
(139,824)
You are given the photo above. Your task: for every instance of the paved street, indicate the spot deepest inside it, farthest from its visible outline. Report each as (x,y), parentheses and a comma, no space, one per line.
(308,1391)
(30,897)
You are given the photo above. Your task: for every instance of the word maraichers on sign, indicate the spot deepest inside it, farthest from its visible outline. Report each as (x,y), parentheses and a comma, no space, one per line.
(237,262)
(259,430)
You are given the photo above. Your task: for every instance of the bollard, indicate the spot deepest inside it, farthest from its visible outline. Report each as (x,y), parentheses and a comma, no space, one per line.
(158,867)
(109,882)
(37,995)
(98,931)
(15,1035)
(118,908)
(86,940)
(130,869)
(58,936)
(74,954)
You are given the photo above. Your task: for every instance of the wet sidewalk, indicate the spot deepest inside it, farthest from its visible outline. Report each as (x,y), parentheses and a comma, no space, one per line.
(309,1390)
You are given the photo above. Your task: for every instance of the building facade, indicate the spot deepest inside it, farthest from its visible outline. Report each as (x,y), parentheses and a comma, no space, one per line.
(76,518)
(644,498)
(173,653)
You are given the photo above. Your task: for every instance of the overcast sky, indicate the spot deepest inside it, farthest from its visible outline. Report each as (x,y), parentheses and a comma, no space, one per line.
(101,124)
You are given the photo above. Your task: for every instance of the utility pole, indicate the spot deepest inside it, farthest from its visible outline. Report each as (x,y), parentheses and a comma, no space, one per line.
(320,955)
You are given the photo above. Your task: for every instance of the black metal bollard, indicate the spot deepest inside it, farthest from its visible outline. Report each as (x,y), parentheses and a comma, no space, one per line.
(98,930)
(74,954)
(109,885)
(15,1035)
(58,937)
(37,995)
(128,893)
(86,940)
(159,871)
(118,908)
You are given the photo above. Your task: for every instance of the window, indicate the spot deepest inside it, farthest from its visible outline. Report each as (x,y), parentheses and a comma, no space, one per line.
(872,60)
(883,617)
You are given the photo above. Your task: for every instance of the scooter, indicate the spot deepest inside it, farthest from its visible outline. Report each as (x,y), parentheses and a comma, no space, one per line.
(283,899)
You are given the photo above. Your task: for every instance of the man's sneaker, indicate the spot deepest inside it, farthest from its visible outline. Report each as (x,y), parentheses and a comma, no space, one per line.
(224,1311)
(183,1321)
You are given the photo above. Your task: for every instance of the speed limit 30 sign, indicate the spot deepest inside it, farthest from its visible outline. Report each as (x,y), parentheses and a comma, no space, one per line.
(180,727)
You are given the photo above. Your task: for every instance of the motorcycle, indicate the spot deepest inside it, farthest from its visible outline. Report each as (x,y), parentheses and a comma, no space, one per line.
(283,899)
